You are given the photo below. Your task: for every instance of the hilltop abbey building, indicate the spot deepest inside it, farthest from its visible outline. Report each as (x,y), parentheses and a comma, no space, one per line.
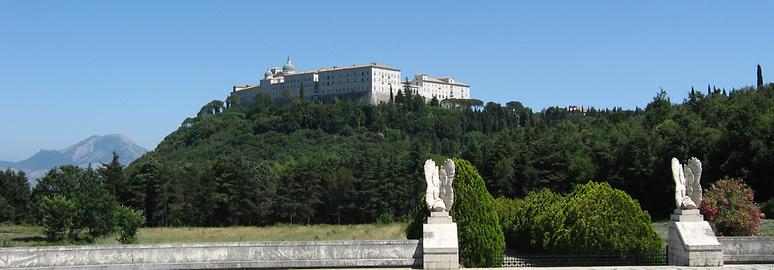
(368,83)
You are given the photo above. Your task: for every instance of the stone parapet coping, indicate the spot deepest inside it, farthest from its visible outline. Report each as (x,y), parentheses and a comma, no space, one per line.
(665,267)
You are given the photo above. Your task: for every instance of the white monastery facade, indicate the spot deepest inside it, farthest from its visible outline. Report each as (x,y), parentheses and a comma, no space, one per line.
(368,83)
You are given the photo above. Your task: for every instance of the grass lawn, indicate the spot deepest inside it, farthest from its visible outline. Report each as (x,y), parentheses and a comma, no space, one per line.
(26,235)
(661,227)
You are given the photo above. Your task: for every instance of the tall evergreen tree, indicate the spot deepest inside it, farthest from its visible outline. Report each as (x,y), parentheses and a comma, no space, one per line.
(760,76)
(14,196)
(301,91)
(145,188)
(434,101)
(409,100)
(392,98)
(112,175)
(400,99)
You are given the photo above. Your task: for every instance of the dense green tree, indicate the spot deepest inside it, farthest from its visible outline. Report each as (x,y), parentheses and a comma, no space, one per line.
(58,215)
(114,178)
(145,187)
(434,101)
(14,196)
(75,200)
(232,100)
(96,205)
(400,98)
(482,242)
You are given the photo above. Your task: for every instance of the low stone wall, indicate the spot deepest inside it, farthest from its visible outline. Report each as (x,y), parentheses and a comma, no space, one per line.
(753,249)
(347,254)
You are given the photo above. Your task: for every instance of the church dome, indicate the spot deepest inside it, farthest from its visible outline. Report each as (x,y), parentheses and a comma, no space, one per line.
(268,74)
(289,67)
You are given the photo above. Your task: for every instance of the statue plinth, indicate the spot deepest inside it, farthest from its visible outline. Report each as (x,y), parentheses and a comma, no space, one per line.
(439,242)
(439,218)
(692,241)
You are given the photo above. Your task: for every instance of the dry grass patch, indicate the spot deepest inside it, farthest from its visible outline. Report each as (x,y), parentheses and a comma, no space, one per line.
(28,235)
(272,233)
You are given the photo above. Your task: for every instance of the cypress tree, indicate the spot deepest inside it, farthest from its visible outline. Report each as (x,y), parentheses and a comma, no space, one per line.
(760,76)
(408,93)
(301,91)
(399,98)
(392,98)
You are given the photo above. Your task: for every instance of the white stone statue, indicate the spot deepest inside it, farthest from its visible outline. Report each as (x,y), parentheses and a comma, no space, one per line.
(439,196)
(687,183)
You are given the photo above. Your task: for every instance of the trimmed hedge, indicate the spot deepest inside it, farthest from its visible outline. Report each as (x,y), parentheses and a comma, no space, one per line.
(481,239)
(539,222)
(506,211)
(603,220)
(594,219)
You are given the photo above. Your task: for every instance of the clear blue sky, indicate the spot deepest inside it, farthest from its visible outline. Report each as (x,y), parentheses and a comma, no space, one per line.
(71,69)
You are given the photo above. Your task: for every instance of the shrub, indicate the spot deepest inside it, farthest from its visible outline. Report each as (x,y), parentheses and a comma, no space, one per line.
(481,240)
(128,221)
(538,222)
(57,216)
(506,210)
(603,220)
(729,208)
(593,219)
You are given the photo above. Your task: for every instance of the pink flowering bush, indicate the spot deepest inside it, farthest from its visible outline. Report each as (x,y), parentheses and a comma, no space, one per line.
(729,207)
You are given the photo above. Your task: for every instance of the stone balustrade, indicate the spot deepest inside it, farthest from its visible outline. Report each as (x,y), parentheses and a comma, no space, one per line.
(320,254)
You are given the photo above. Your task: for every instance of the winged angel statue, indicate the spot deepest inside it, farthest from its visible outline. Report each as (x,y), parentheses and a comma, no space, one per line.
(440,196)
(687,186)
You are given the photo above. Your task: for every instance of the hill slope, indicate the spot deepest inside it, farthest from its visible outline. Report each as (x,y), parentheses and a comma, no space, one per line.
(343,162)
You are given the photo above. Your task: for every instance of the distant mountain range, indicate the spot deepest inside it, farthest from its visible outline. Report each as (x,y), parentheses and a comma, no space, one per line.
(93,150)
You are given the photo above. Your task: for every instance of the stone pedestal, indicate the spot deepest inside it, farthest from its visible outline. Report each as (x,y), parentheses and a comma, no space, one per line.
(692,241)
(439,242)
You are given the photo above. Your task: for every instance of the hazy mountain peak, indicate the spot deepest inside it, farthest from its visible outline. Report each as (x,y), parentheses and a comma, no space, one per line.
(98,148)
(92,150)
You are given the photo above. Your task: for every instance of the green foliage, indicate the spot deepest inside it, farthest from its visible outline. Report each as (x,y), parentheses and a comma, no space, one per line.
(481,240)
(71,200)
(538,223)
(58,216)
(14,196)
(603,220)
(114,178)
(506,211)
(593,219)
(128,221)
(362,161)
(94,205)
(729,207)
(434,101)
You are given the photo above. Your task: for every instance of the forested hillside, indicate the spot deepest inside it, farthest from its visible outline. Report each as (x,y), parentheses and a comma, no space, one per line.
(342,162)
